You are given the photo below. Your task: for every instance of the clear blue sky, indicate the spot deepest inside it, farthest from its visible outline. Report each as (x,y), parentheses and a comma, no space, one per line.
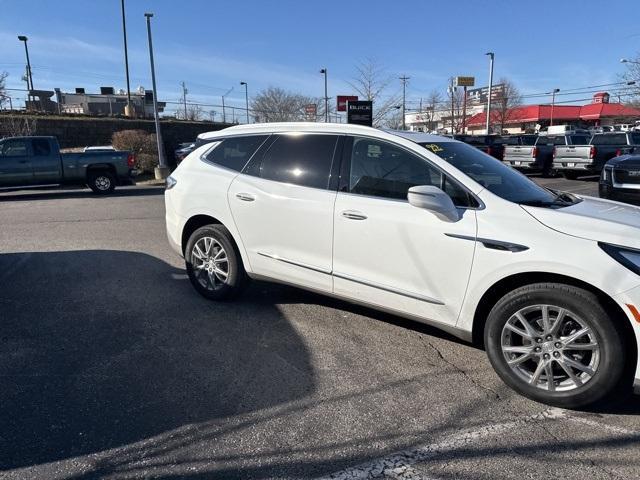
(212,45)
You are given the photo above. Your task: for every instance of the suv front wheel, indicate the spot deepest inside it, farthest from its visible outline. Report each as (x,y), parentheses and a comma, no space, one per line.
(555,344)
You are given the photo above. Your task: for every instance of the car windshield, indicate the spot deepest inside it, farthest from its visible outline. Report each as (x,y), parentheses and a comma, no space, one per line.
(496,177)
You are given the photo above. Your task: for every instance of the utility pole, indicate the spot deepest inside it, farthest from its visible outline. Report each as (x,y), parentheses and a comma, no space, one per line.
(224,112)
(326,98)
(464,110)
(404,79)
(553,101)
(128,109)
(162,170)
(246,98)
(491,57)
(452,91)
(184,98)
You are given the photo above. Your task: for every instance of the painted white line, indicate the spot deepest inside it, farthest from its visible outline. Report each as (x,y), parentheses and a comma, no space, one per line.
(399,465)
(604,426)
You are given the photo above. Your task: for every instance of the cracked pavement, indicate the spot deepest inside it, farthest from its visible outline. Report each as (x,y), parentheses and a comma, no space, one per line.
(113,367)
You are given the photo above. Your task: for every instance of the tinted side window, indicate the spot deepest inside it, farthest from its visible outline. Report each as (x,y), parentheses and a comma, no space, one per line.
(14,148)
(635,138)
(618,139)
(300,159)
(40,147)
(235,152)
(381,169)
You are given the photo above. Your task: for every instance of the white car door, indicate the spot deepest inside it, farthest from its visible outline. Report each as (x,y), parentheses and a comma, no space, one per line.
(283,209)
(390,253)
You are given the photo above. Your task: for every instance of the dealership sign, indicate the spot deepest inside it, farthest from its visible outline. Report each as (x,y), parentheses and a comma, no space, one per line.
(465,81)
(311,111)
(360,112)
(342,102)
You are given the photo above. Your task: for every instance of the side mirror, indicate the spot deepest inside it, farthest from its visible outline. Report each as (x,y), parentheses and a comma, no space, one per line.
(435,200)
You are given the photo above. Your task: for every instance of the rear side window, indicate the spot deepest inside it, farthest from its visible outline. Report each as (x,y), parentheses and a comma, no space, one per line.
(13,148)
(303,160)
(635,138)
(235,152)
(616,139)
(40,147)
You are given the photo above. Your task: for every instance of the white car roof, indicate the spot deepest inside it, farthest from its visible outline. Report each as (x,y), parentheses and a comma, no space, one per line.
(341,128)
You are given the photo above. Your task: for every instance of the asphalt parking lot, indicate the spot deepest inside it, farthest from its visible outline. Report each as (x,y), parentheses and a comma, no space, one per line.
(113,367)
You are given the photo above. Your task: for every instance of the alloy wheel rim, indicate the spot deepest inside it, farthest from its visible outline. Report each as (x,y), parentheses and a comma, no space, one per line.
(103,183)
(210,263)
(550,347)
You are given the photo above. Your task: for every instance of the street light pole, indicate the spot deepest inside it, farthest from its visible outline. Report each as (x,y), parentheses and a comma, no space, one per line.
(128,107)
(23,38)
(326,97)
(491,57)
(553,101)
(162,170)
(404,79)
(246,98)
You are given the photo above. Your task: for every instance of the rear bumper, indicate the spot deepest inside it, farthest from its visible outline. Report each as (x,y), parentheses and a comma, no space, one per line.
(632,297)
(569,165)
(129,178)
(175,224)
(524,164)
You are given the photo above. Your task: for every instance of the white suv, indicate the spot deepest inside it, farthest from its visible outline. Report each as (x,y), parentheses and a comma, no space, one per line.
(425,227)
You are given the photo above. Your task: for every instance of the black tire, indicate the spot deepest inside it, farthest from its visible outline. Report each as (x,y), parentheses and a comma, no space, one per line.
(569,175)
(101,182)
(579,303)
(217,287)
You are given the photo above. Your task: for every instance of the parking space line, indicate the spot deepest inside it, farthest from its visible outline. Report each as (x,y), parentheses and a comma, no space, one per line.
(400,465)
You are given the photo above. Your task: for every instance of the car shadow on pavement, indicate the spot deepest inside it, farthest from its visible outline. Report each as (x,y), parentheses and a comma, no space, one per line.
(59,194)
(101,349)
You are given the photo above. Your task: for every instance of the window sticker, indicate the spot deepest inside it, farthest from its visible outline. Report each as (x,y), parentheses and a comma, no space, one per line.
(433,147)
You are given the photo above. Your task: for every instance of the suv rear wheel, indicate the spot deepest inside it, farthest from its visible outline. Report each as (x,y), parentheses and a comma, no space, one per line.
(213,263)
(555,344)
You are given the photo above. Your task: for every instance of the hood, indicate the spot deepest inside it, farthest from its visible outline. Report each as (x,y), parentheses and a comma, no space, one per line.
(594,219)
(625,161)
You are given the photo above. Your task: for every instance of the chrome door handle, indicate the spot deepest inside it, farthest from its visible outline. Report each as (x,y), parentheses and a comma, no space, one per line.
(245,197)
(354,215)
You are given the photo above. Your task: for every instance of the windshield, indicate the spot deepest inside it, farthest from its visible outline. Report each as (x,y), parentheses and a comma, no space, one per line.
(496,177)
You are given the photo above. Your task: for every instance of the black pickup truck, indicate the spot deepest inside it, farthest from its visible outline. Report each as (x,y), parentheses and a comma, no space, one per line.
(574,161)
(37,161)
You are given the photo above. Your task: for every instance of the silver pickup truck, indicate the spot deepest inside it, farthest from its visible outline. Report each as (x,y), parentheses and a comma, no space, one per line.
(37,161)
(538,157)
(574,160)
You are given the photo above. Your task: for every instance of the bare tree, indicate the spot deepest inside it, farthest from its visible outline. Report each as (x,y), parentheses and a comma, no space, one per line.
(632,74)
(3,90)
(194,113)
(454,107)
(433,104)
(277,105)
(504,102)
(372,83)
(17,126)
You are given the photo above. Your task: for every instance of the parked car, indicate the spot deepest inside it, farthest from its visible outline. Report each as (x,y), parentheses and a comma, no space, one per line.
(489,144)
(574,161)
(37,161)
(425,227)
(183,150)
(620,179)
(539,157)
